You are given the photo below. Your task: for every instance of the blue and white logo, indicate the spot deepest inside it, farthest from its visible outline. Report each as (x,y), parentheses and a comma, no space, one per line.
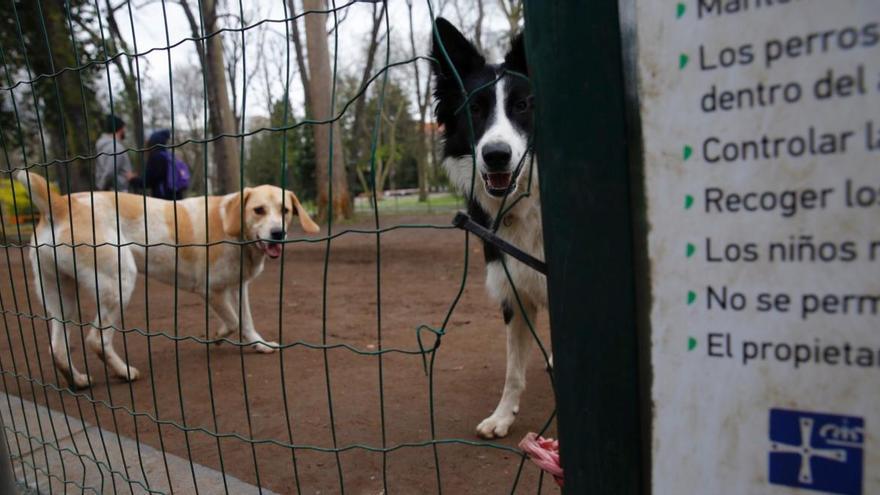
(821,452)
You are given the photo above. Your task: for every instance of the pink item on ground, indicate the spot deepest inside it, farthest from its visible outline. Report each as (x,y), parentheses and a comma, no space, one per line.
(545,453)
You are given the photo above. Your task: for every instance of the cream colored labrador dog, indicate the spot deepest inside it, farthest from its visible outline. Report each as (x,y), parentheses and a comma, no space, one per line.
(261,216)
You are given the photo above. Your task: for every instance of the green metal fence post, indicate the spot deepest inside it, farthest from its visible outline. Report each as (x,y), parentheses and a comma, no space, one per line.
(576,68)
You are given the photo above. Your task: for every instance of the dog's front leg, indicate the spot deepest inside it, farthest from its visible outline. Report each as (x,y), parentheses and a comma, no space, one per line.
(249,333)
(518,336)
(225,305)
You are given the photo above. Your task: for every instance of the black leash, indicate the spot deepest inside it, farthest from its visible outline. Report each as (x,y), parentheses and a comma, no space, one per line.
(464,222)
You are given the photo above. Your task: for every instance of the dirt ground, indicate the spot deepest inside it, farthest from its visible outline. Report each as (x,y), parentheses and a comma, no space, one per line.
(242,394)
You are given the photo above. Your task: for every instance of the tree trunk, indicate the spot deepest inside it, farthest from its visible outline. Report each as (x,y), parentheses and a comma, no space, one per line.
(421,163)
(359,127)
(513,11)
(300,58)
(129,75)
(227,173)
(320,84)
(478,27)
(66,123)
(421,143)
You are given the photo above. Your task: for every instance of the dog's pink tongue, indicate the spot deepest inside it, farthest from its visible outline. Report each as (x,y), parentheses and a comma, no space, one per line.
(273,250)
(498,180)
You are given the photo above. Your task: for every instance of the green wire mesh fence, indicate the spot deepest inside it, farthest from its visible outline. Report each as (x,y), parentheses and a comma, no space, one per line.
(357,398)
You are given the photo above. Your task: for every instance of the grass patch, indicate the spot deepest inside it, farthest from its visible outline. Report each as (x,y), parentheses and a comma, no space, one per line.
(437,202)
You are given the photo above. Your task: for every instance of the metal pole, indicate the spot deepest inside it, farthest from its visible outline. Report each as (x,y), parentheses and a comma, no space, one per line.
(576,68)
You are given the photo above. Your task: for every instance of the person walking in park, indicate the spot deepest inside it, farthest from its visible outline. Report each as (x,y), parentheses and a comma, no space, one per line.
(113,170)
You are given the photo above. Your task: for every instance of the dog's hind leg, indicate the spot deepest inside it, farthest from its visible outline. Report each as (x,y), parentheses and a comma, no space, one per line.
(59,303)
(518,337)
(115,289)
(59,345)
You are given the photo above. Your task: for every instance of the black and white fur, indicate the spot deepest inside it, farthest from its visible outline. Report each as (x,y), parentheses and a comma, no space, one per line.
(502,126)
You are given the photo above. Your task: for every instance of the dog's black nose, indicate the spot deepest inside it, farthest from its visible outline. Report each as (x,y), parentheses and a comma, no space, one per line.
(496,155)
(277,234)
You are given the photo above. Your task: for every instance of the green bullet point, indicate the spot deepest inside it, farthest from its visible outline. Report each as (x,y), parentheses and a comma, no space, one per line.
(687,152)
(682,61)
(679,10)
(692,343)
(690,250)
(692,296)
(688,201)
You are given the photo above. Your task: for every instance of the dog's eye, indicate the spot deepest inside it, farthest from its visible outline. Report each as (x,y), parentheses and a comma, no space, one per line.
(475,108)
(285,210)
(522,106)
(259,210)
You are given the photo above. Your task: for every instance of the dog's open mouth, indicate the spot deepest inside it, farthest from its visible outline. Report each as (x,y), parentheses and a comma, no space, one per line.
(497,183)
(272,249)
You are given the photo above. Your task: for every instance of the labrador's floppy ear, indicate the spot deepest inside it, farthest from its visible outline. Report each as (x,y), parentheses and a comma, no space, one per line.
(305,221)
(231,212)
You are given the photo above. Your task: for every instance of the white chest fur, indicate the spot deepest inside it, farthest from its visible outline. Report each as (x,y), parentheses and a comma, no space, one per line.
(522,228)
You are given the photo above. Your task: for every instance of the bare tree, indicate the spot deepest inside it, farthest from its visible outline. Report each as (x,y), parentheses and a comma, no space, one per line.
(360,125)
(478,25)
(126,66)
(298,49)
(513,12)
(423,101)
(462,13)
(107,34)
(234,48)
(157,114)
(320,83)
(188,84)
(189,106)
(389,155)
(211,55)
(276,63)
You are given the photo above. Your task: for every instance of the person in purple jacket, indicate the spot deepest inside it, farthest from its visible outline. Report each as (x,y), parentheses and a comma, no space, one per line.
(167,176)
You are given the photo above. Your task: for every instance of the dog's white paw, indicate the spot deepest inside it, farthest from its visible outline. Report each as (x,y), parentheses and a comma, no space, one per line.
(131,375)
(266,347)
(81,381)
(495,426)
(223,333)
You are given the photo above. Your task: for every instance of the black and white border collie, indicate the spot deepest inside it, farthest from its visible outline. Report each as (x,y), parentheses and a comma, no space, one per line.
(502,126)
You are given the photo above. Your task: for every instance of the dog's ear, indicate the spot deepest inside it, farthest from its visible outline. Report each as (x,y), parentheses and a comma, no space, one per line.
(305,221)
(516,57)
(231,212)
(462,53)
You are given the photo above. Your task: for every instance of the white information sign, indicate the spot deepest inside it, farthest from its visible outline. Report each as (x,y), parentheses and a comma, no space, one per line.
(761,124)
